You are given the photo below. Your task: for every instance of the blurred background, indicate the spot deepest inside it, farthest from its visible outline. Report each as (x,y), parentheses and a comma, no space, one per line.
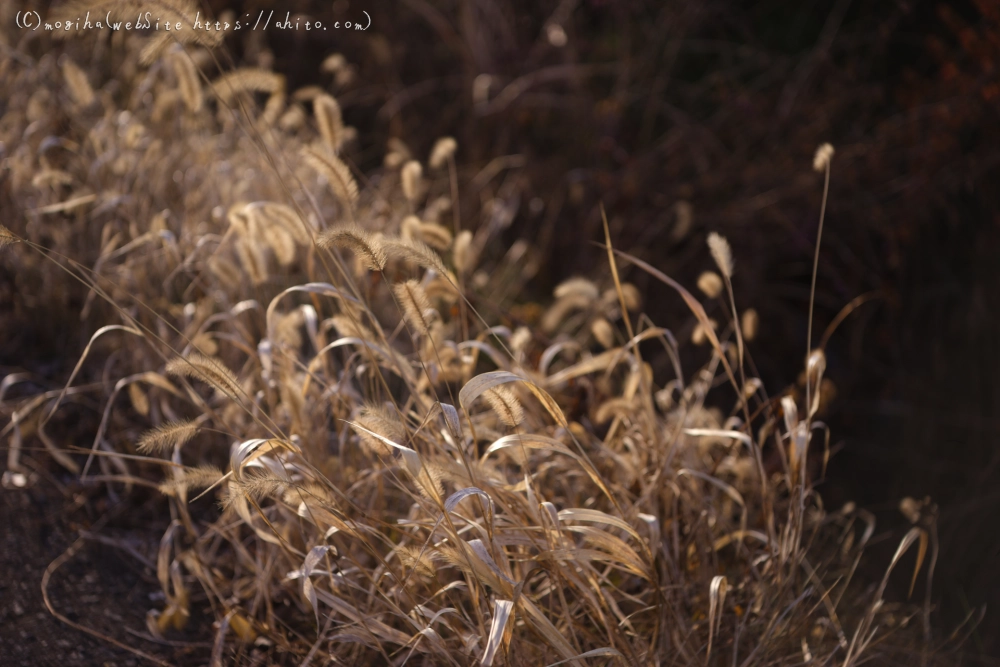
(684,117)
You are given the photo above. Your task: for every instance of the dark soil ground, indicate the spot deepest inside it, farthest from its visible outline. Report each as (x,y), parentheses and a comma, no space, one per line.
(106,587)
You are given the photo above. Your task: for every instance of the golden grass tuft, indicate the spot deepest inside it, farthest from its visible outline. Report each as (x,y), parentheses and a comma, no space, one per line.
(604,506)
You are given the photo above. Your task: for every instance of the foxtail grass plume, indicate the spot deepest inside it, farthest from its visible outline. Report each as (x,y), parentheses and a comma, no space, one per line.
(505,405)
(821,159)
(187,80)
(208,370)
(700,334)
(433,234)
(721,253)
(199,477)
(520,339)
(247,79)
(603,332)
(337,174)
(411,175)
(382,421)
(461,250)
(710,284)
(333,63)
(166,437)
(414,252)
(7,237)
(684,220)
(416,306)
(363,243)
(77,83)
(443,149)
(750,322)
(577,287)
(329,120)
(632,296)
(138,399)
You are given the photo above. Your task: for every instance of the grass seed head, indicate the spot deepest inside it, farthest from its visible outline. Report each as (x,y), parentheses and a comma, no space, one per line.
(188,81)
(209,370)
(750,322)
(721,253)
(416,306)
(444,148)
(603,332)
(166,437)
(337,174)
(77,83)
(710,284)
(700,334)
(383,421)
(822,157)
(363,243)
(461,250)
(329,121)
(505,405)
(7,237)
(412,177)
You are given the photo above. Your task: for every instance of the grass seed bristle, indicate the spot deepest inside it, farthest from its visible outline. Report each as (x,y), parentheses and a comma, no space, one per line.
(199,477)
(505,405)
(461,250)
(721,253)
(77,84)
(384,422)
(329,120)
(337,174)
(247,79)
(415,252)
(166,437)
(750,322)
(363,243)
(188,81)
(7,237)
(444,149)
(603,332)
(208,370)
(710,284)
(412,176)
(822,157)
(416,306)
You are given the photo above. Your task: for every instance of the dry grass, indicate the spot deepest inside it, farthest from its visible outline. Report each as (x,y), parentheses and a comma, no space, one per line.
(372,507)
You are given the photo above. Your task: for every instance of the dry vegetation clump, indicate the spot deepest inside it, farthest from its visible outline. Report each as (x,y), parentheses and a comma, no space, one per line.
(400,479)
